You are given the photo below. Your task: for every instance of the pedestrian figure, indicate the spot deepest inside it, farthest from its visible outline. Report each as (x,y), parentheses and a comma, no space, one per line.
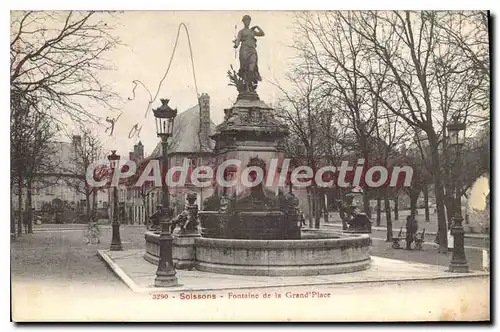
(411,230)
(93,234)
(302,218)
(25,222)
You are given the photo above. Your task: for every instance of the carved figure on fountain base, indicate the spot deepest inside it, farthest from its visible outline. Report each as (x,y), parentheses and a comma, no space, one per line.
(256,213)
(187,220)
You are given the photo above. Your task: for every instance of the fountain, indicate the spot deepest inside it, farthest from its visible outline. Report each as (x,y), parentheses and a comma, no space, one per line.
(257,231)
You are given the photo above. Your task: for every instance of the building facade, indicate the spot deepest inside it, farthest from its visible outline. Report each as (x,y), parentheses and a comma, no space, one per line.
(62,184)
(190,141)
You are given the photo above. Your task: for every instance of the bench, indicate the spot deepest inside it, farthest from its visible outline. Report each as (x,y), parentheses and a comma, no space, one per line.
(396,240)
(419,240)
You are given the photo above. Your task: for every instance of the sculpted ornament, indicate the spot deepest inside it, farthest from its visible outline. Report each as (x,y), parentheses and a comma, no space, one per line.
(187,220)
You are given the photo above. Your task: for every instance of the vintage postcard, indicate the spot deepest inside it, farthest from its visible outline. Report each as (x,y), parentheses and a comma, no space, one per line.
(223,166)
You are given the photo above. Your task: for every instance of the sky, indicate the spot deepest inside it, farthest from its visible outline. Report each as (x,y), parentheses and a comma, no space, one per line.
(148,38)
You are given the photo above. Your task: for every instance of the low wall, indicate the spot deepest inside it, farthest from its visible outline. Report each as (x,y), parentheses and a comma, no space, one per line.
(310,256)
(183,249)
(152,253)
(318,252)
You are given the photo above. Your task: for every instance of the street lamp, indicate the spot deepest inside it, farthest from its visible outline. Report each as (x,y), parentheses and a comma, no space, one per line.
(116,243)
(456,133)
(165,274)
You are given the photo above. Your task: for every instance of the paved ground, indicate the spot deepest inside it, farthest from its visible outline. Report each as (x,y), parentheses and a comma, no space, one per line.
(56,276)
(132,236)
(131,267)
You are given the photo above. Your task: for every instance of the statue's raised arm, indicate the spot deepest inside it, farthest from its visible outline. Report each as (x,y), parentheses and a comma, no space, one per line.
(258,31)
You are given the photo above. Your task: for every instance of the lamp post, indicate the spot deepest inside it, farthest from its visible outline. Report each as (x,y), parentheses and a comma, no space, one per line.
(165,274)
(116,243)
(456,132)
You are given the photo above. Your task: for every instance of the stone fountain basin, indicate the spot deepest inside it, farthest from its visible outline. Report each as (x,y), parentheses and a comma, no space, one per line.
(316,253)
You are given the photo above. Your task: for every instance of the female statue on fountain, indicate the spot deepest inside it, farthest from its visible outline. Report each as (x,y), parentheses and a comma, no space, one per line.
(249,70)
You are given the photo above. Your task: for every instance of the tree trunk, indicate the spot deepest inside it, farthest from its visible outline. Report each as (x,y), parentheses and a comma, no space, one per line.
(20,208)
(366,205)
(12,219)
(29,206)
(379,210)
(413,201)
(94,205)
(388,219)
(310,206)
(426,204)
(87,201)
(317,208)
(342,214)
(438,189)
(396,208)
(324,205)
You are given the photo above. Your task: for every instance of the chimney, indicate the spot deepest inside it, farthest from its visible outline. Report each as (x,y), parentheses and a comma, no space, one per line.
(131,156)
(140,151)
(136,150)
(205,118)
(77,142)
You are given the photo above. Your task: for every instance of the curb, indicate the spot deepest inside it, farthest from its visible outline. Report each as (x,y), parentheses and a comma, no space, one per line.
(181,288)
(118,271)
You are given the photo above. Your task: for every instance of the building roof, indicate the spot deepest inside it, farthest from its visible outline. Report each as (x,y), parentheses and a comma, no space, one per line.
(186,138)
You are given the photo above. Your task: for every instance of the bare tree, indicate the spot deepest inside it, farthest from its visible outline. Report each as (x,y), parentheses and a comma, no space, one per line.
(422,67)
(31,134)
(20,138)
(340,62)
(56,57)
(39,162)
(411,45)
(87,149)
(301,109)
(335,53)
(468,32)
(332,150)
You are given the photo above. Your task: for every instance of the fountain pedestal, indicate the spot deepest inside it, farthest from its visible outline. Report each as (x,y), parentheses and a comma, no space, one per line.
(255,230)
(249,130)
(252,136)
(184,250)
